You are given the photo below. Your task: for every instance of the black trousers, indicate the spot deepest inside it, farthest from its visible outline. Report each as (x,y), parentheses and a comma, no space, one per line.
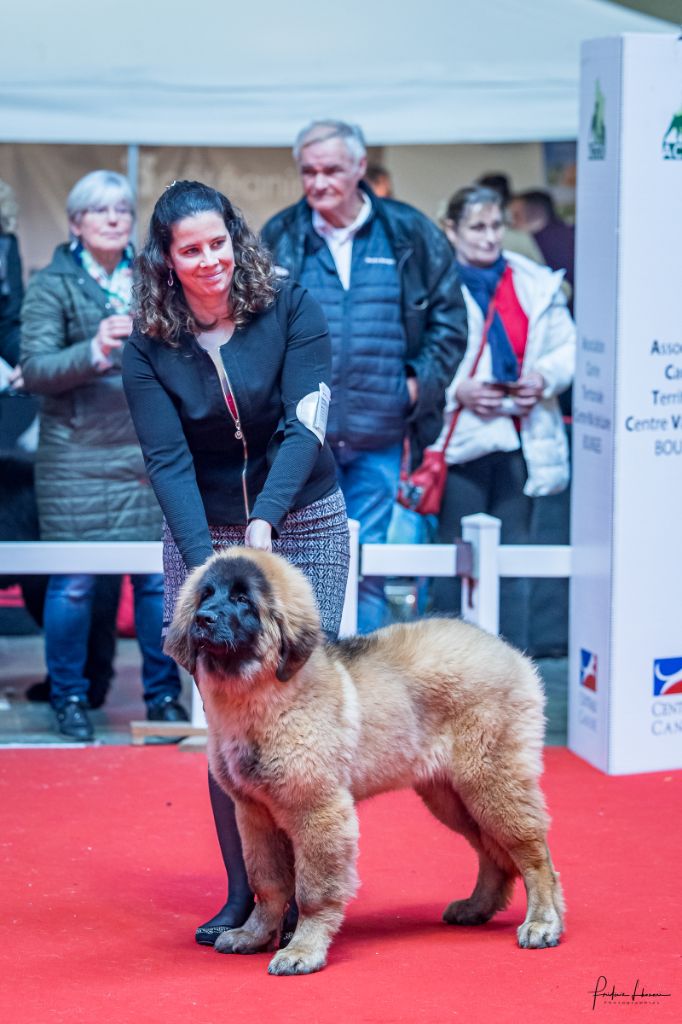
(549,598)
(493,484)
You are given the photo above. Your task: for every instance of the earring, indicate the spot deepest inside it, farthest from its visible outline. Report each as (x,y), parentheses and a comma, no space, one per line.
(170,277)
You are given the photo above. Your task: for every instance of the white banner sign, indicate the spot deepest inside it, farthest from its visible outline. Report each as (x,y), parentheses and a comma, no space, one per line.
(625,687)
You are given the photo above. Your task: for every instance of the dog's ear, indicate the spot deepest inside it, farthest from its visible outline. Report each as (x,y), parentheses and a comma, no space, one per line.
(294,650)
(178,645)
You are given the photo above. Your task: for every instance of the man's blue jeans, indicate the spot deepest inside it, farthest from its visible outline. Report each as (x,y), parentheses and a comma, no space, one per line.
(67,614)
(369,481)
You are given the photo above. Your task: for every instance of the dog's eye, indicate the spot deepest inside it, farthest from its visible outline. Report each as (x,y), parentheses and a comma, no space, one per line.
(241,599)
(208,591)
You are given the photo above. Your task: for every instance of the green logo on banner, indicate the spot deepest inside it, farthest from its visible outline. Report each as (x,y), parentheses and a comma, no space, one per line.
(596,147)
(672,140)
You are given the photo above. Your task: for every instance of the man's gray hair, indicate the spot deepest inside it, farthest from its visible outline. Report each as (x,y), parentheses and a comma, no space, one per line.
(320,131)
(98,189)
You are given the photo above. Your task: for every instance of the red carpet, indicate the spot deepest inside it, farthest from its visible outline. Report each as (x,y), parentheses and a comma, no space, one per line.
(109,862)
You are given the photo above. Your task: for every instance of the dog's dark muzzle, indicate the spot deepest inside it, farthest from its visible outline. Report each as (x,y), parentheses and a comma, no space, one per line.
(205,621)
(213,636)
(222,631)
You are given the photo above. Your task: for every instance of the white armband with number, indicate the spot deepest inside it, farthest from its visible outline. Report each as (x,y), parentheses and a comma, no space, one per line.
(313,410)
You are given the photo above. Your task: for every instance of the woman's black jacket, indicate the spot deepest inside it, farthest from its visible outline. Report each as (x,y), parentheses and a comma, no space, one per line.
(205,468)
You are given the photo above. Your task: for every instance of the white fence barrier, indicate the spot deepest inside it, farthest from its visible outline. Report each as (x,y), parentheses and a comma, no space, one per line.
(45,557)
(480,560)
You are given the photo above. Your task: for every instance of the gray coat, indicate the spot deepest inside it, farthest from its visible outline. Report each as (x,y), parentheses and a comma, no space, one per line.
(90,478)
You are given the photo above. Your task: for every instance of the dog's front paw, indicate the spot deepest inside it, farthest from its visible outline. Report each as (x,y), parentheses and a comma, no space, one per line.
(467,912)
(297,960)
(539,934)
(241,940)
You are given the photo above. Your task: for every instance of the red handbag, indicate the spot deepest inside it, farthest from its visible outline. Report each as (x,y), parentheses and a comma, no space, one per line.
(422,490)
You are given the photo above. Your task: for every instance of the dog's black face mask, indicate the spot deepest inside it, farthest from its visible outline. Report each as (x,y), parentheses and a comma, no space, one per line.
(227,622)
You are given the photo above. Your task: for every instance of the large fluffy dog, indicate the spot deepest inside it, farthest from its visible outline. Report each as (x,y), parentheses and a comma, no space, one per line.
(299,730)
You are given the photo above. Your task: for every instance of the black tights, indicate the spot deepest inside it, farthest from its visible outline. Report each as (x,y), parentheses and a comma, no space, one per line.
(239,896)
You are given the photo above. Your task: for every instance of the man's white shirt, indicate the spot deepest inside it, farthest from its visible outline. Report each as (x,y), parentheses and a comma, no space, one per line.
(340,240)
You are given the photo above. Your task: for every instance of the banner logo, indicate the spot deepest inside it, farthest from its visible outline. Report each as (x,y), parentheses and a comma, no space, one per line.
(667,677)
(588,670)
(672,140)
(596,146)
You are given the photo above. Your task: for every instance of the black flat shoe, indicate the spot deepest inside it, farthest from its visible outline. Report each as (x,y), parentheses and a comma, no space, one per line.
(206,935)
(224,920)
(166,710)
(73,722)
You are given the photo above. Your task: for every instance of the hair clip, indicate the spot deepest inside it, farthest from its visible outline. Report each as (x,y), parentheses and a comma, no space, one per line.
(174,182)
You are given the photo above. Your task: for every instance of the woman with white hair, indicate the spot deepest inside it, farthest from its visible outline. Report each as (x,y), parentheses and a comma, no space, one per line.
(90,477)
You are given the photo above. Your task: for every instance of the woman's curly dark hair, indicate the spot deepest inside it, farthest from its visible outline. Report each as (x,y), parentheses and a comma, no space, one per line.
(160,307)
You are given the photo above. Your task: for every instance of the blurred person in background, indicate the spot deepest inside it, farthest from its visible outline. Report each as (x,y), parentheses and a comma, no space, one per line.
(385,277)
(516,239)
(17,413)
(379,180)
(90,477)
(11,283)
(509,443)
(534,211)
(18,441)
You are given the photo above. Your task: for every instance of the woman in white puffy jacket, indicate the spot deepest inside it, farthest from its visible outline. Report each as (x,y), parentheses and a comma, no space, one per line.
(509,442)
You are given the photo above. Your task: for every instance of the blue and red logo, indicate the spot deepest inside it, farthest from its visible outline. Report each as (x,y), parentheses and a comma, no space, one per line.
(667,677)
(588,670)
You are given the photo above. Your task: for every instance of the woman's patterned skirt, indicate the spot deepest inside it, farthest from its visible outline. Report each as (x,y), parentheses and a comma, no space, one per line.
(314,538)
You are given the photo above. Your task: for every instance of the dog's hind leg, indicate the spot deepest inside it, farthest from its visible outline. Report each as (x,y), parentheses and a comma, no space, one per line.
(509,807)
(325,849)
(496,872)
(270,866)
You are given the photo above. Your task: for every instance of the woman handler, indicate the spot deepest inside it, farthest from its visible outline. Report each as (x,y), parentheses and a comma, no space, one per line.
(226,376)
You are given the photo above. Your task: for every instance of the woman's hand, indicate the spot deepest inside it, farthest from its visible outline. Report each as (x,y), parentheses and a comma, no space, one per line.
(259,535)
(480,397)
(16,379)
(112,332)
(11,379)
(528,391)
(413,390)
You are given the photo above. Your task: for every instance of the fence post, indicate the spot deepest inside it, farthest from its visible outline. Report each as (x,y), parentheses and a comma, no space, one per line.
(198,716)
(349,618)
(481,597)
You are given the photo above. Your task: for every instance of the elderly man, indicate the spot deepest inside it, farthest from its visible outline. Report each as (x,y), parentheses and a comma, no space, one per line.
(385,277)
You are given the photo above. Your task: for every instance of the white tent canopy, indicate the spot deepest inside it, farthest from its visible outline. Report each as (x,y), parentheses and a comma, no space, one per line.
(165,72)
